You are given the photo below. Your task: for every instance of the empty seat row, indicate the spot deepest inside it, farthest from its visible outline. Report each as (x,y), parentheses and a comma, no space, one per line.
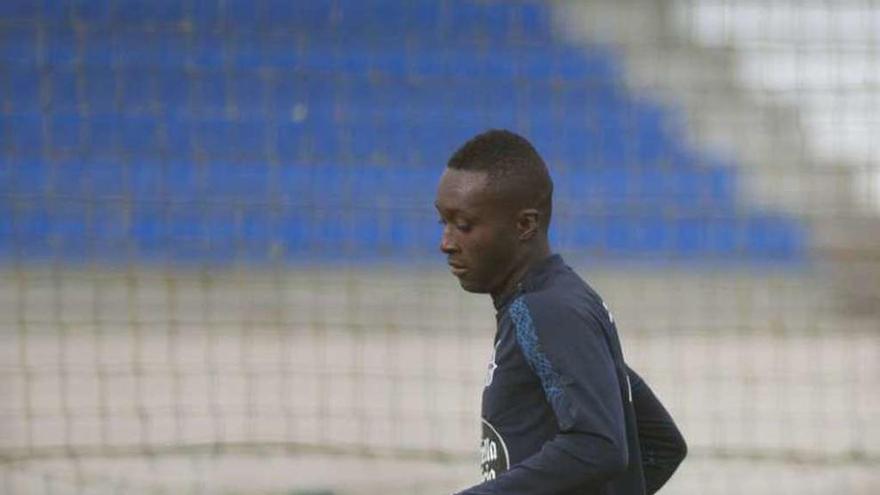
(262,130)
(222,83)
(178,94)
(163,51)
(396,142)
(634,189)
(493,20)
(224,230)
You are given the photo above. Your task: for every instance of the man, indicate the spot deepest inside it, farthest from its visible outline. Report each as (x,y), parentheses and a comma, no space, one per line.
(560,406)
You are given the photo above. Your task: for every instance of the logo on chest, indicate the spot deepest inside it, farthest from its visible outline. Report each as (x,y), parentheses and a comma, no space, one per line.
(494,458)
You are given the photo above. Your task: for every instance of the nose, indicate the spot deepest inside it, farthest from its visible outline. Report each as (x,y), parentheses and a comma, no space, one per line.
(447,245)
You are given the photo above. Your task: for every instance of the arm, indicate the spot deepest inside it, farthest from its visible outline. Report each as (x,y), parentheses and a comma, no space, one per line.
(578,375)
(663,447)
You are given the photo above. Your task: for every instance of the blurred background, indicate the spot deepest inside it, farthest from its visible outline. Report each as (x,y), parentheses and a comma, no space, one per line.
(218,252)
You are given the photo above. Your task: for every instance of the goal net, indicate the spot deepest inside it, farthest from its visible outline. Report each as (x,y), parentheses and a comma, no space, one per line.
(218,251)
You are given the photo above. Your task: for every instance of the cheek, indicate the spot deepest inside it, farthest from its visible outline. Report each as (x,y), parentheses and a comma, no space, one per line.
(493,248)
(472,246)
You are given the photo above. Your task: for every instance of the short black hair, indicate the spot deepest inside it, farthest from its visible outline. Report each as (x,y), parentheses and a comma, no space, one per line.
(514,168)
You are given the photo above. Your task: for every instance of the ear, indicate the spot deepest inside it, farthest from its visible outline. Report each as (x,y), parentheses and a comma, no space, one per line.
(527,223)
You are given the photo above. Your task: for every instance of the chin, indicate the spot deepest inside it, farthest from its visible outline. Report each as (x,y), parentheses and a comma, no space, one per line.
(472,287)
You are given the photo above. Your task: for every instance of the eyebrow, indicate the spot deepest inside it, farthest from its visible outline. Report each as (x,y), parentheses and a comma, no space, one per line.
(438,207)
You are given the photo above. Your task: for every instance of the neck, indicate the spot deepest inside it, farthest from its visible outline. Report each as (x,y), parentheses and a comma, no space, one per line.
(522,264)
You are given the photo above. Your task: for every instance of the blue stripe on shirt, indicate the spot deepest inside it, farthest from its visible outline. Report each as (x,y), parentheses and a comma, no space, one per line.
(527,337)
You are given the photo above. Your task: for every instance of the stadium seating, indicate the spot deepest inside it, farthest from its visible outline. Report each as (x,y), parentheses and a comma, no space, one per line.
(262,130)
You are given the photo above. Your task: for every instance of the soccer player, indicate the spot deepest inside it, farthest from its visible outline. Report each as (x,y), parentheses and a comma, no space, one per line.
(562,412)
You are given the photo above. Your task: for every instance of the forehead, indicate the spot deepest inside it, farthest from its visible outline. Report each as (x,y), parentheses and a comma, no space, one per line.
(463,190)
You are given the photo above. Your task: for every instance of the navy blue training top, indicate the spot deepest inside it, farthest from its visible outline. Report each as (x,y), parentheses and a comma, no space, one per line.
(558,414)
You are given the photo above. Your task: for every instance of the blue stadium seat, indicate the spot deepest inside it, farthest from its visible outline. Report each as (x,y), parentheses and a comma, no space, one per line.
(109,226)
(232,140)
(574,230)
(182,180)
(62,92)
(248,130)
(283,14)
(292,184)
(257,227)
(144,179)
(22,136)
(101,139)
(93,12)
(691,235)
(7,230)
(99,91)
(213,138)
(153,49)
(248,93)
(233,182)
(137,136)
(25,94)
(773,237)
(173,92)
(66,134)
(319,97)
(31,224)
(290,140)
(178,141)
(8,172)
(476,18)
(633,235)
(152,12)
(107,179)
(68,178)
(18,43)
(208,94)
(20,10)
(68,232)
(293,236)
(24,178)
(413,233)
(62,46)
(136,91)
(208,50)
(240,15)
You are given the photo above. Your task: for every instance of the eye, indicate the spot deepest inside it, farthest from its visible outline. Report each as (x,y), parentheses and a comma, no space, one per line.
(464,227)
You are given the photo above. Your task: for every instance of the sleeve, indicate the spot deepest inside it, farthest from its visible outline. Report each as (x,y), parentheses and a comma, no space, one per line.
(663,446)
(580,381)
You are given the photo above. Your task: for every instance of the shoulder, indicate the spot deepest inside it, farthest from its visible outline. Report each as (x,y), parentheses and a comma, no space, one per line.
(539,316)
(567,299)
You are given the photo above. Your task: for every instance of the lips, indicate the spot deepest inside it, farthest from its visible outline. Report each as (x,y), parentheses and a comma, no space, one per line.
(457,270)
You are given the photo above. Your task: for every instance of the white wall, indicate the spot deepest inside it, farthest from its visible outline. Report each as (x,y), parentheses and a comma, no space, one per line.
(823,57)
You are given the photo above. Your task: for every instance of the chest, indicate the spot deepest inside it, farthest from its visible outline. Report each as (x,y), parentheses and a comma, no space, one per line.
(510,382)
